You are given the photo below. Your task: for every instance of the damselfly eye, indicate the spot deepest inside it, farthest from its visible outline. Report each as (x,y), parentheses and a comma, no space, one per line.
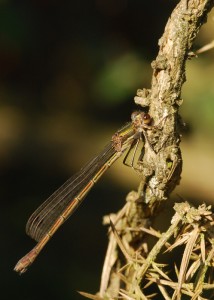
(147,119)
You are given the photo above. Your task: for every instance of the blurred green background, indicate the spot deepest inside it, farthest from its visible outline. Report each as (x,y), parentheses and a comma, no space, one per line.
(69,73)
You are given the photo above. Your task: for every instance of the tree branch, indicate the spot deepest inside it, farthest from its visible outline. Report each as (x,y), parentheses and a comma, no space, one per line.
(165,96)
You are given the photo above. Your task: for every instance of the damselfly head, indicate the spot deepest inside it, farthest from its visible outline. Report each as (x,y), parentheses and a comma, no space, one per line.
(141,118)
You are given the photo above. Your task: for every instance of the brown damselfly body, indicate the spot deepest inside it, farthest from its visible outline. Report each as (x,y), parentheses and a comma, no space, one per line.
(52,213)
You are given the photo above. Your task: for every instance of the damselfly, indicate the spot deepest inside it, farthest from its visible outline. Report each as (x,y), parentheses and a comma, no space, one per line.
(45,221)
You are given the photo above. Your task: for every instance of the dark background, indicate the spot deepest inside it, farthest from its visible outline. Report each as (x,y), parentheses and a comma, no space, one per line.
(69,73)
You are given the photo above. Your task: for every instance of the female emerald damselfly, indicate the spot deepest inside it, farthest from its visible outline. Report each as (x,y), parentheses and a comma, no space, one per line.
(48,217)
